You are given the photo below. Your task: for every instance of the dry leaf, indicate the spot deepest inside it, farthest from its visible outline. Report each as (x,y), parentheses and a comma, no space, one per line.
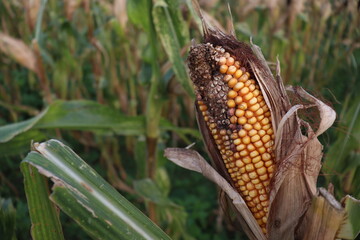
(18,50)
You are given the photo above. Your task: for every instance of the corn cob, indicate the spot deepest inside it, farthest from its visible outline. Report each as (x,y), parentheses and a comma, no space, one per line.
(239,121)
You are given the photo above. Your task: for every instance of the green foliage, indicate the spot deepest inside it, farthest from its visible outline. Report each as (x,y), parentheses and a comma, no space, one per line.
(112,84)
(82,194)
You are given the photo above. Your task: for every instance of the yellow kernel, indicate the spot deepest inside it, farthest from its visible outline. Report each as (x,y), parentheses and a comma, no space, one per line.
(257,126)
(259,164)
(266,127)
(259,186)
(267,114)
(254,210)
(248,96)
(264,219)
(242,170)
(265,121)
(247,127)
(254,107)
(223,68)
(255,138)
(203,107)
(247,83)
(262,170)
(256,159)
(255,181)
(244,78)
(237,64)
(236,155)
(256,200)
(232,82)
(268,163)
(265,107)
(246,140)
(250,147)
(237,141)
(242,188)
(263,177)
(269,144)
(256,93)
(253,193)
(245,177)
(249,186)
(270,131)
(252,87)
(240,147)
(252,101)
(254,154)
(249,114)
(226,54)
(261,149)
(231,70)
(246,160)
(238,100)
(249,167)
(238,73)
(241,182)
(260,117)
(222,61)
(252,120)
(239,112)
(251,204)
(259,112)
(257,216)
(230,61)
(244,153)
(245,192)
(227,77)
(262,133)
(244,90)
(242,106)
(266,157)
(223,132)
(238,86)
(241,120)
(265,138)
(231,103)
(263,197)
(258,144)
(252,132)
(242,133)
(252,175)
(248,198)
(270,169)
(239,163)
(232,94)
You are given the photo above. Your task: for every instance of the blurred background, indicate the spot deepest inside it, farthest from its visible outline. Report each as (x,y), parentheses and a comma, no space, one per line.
(109,79)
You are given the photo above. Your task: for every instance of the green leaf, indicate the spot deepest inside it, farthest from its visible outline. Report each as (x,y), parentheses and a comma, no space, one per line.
(139,13)
(87,198)
(20,143)
(7,219)
(43,214)
(79,115)
(89,115)
(9,131)
(150,191)
(351,227)
(167,28)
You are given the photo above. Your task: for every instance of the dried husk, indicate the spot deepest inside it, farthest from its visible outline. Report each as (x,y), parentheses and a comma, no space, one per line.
(294,198)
